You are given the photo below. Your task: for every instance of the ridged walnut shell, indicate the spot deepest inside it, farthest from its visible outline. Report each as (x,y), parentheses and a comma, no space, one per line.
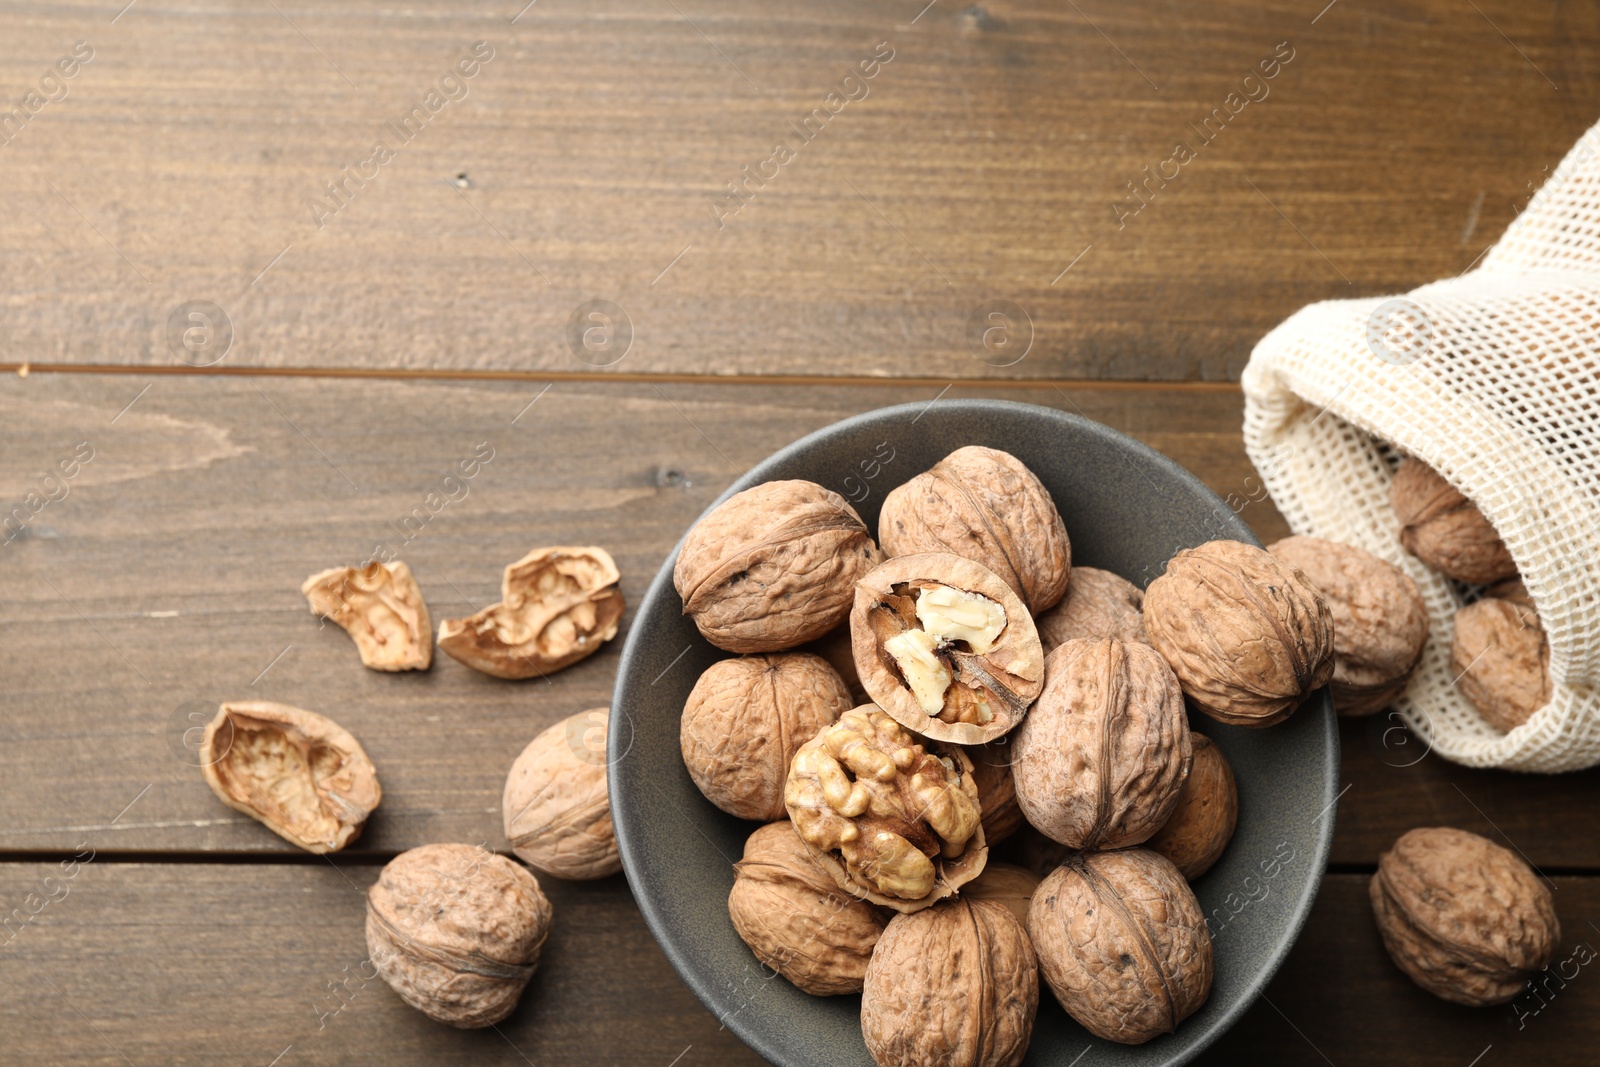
(1467,920)
(1098,604)
(1380,623)
(301,774)
(1122,943)
(1248,636)
(796,919)
(456,931)
(1101,759)
(1004,883)
(381,608)
(997,790)
(555,806)
(987,506)
(1444,529)
(773,567)
(956,985)
(747,717)
(1500,657)
(1202,824)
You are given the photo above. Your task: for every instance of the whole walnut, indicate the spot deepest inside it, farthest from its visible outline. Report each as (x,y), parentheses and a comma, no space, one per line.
(796,919)
(955,985)
(997,790)
(1248,635)
(1464,918)
(745,720)
(987,506)
(1380,624)
(1122,943)
(456,931)
(773,567)
(1005,883)
(1500,657)
(1202,824)
(836,647)
(1098,604)
(1444,529)
(1101,759)
(556,808)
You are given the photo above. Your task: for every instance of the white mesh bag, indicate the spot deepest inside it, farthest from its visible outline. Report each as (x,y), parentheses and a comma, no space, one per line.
(1493,379)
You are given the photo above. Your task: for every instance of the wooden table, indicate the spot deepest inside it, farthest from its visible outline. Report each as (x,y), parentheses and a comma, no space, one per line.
(276,342)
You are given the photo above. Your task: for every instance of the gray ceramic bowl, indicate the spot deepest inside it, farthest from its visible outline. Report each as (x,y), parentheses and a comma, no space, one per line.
(1127,509)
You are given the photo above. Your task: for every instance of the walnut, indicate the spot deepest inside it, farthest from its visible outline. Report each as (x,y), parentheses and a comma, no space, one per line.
(1444,529)
(1464,918)
(987,506)
(997,791)
(892,821)
(796,919)
(945,647)
(1202,824)
(956,984)
(456,931)
(835,647)
(299,773)
(1122,943)
(1102,758)
(745,720)
(1248,636)
(1005,883)
(557,605)
(773,567)
(1380,623)
(1098,604)
(381,607)
(1501,657)
(556,808)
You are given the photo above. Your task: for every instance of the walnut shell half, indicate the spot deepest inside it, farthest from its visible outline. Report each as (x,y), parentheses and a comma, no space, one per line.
(556,808)
(1098,604)
(381,608)
(1202,824)
(1501,657)
(1444,529)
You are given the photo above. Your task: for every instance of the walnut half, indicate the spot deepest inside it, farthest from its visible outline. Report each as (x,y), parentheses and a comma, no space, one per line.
(381,607)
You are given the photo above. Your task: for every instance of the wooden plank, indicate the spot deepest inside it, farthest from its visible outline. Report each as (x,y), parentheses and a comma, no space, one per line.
(589,159)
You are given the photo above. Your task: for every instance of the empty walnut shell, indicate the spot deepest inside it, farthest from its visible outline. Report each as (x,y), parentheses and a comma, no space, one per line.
(796,919)
(1501,657)
(1444,529)
(381,607)
(1464,918)
(773,567)
(1098,604)
(997,791)
(745,720)
(456,931)
(299,773)
(1248,635)
(1380,623)
(987,506)
(955,985)
(1004,883)
(1101,759)
(556,809)
(557,605)
(1202,824)
(1122,943)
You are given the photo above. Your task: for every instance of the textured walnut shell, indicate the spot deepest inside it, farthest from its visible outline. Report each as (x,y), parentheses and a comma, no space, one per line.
(892,820)
(1248,636)
(1202,824)
(1444,529)
(1004,681)
(997,791)
(557,605)
(984,505)
(1501,659)
(1122,943)
(955,985)
(456,931)
(556,809)
(835,647)
(796,919)
(381,608)
(1464,918)
(773,567)
(1380,623)
(1101,759)
(1004,883)
(1098,604)
(301,774)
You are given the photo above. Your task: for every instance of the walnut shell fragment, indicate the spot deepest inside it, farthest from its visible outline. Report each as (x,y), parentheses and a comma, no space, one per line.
(1098,604)
(381,607)
(299,773)
(945,647)
(557,606)
(796,919)
(997,790)
(1122,943)
(956,985)
(1202,824)
(1004,883)
(773,567)
(987,506)
(1466,919)
(745,720)
(1500,656)
(1444,529)
(556,807)
(456,931)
